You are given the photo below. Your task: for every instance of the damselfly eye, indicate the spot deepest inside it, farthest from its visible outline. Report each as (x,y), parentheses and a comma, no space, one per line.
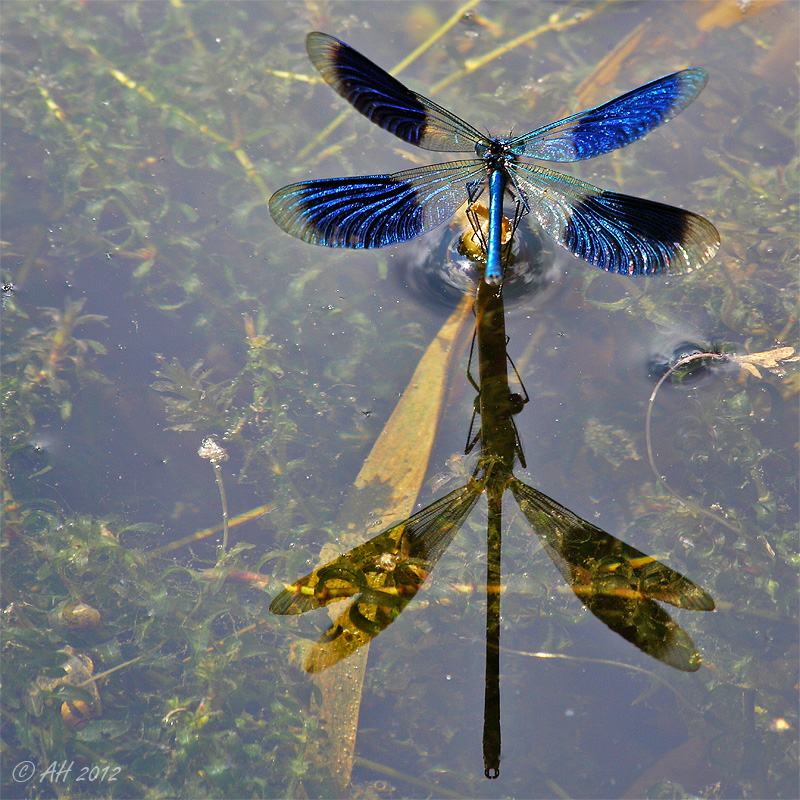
(517,402)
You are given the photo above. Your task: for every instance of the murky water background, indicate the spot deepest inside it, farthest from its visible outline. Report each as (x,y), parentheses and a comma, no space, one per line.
(141,142)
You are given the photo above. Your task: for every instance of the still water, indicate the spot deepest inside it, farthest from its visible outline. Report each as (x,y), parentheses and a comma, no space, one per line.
(150,302)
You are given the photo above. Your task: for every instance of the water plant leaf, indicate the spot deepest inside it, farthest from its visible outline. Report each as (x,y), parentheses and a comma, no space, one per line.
(770,360)
(100,730)
(393,471)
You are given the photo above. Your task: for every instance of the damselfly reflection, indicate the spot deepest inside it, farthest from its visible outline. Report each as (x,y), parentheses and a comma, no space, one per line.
(619,584)
(613,231)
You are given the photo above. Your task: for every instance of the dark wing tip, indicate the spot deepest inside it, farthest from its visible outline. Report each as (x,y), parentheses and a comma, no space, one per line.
(644,237)
(287,212)
(697,242)
(680,592)
(326,54)
(694,79)
(324,50)
(682,659)
(318,42)
(292,601)
(697,600)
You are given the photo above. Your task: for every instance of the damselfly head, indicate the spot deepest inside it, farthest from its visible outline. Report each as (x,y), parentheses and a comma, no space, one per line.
(452,260)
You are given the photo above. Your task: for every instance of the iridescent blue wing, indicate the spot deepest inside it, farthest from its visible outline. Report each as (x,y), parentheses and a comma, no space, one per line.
(615,232)
(374,210)
(384,100)
(614,124)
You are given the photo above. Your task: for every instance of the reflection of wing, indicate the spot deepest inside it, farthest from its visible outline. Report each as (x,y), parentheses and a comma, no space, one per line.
(614,124)
(385,573)
(373,210)
(385,101)
(615,232)
(616,582)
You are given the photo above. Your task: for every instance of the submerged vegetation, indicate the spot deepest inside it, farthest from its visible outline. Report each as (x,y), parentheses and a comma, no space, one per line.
(148,304)
(167,669)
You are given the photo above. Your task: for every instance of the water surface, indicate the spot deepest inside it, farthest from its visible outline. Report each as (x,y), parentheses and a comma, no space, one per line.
(141,142)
